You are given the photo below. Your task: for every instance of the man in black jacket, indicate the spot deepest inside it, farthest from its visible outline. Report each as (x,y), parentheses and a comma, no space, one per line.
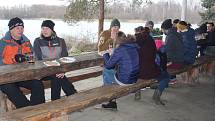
(210,39)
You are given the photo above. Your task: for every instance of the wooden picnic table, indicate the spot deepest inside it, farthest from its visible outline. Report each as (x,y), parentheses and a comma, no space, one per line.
(38,70)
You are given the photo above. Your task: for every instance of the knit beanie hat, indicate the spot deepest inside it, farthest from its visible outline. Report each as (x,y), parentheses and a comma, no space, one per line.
(149,24)
(182,25)
(115,22)
(14,22)
(175,21)
(48,23)
(167,24)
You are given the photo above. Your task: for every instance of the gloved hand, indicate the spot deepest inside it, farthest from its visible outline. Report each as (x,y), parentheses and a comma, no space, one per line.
(19,58)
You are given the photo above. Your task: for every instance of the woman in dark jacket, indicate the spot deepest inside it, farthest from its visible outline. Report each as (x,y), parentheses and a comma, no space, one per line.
(147,54)
(49,46)
(150,67)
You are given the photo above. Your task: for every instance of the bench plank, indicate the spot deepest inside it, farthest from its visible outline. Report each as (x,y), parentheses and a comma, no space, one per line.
(199,62)
(77,102)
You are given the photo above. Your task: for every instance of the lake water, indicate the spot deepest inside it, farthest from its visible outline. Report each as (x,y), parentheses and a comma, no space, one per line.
(80,30)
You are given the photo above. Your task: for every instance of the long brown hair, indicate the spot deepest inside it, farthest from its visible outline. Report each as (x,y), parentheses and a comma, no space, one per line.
(122,38)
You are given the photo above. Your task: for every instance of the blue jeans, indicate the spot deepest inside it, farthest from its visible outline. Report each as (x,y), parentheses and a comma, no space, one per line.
(108,76)
(163,79)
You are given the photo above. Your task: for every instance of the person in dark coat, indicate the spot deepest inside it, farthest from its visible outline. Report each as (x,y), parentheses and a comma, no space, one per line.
(200,36)
(147,54)
(190,45)
(210,50)
(150,62)
(211,34)
(174,46)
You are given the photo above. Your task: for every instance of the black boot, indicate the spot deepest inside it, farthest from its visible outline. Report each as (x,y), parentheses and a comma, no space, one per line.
(156,97)
(112,105)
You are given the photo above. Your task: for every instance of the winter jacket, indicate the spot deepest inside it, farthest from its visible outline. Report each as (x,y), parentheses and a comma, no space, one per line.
(174,46)
(126,61)
(54,47)
(147,54)
(190,46)
(104,42)
(211,38)
(9,48)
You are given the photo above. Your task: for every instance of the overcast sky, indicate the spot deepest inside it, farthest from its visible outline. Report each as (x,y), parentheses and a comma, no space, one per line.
(10,3)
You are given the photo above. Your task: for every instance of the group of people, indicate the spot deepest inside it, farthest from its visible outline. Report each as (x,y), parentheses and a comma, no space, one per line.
(127,58)
(132,58)
(205,36)
(16,48)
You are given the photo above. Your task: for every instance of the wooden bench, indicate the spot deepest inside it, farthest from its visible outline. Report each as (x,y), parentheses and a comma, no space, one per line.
(58,110)
(190,74)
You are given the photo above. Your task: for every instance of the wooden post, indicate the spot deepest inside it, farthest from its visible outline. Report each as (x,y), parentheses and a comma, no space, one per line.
(184,10)
(101,16)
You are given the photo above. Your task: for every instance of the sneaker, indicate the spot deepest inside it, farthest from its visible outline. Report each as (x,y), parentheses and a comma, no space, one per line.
(112,105)
(173,81)
(143,89)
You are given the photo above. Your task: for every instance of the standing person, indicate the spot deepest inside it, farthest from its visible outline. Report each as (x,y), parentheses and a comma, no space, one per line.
(125,60)
(14,46)
(106,41)
(190,45)
(50,46)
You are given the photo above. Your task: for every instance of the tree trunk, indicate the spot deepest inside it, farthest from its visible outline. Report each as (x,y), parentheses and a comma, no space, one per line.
(101,17)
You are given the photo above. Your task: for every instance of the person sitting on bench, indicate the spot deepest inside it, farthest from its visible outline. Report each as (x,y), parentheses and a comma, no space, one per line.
(50,46)
(15,47)
(125,60)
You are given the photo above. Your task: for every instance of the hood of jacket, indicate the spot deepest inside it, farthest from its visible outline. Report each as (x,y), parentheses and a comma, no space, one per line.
(8,37)
(172,31)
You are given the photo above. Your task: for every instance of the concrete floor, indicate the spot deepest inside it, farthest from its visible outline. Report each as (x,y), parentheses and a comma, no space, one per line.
(196,103)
